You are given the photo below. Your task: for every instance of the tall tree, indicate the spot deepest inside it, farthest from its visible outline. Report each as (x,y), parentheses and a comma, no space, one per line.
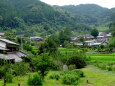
(95,33)
(64,35)
(82,39)
(48,46)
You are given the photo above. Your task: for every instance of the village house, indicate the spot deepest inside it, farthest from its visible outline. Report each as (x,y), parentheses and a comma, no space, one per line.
(102,39)
(1,34)
(10,51)
(36,38)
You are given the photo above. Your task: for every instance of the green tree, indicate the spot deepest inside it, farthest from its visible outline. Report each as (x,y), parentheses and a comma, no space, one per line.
(112,42)
(94,33)
(9,36)
(113,33)
(48,46)
(43,63)
(64,35)
(82,40)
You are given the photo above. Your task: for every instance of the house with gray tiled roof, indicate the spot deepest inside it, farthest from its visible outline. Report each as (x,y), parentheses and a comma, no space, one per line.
(10,51)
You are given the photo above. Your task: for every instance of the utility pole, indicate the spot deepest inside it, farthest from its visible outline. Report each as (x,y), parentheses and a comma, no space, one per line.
(21,43)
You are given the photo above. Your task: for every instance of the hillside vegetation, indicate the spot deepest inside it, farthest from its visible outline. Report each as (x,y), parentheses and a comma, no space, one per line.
(34,17)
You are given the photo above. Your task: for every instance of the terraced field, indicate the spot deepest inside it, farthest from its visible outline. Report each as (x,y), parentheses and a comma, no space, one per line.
(102,57)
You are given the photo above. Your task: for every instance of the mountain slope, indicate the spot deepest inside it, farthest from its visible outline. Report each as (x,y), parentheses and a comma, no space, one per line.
(33,17)
(89,13)
(22,13)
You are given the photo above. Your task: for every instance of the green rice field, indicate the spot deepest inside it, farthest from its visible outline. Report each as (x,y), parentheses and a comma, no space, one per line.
(102,57)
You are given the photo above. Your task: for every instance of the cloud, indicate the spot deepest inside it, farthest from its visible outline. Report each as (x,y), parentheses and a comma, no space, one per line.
(104,3)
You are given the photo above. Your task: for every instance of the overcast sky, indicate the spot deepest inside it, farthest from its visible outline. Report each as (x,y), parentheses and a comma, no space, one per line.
(103,3)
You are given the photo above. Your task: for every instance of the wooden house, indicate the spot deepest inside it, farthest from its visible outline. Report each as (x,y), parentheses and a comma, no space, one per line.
(10,51)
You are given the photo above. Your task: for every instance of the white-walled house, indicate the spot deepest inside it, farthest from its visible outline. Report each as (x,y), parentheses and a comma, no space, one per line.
(101,39)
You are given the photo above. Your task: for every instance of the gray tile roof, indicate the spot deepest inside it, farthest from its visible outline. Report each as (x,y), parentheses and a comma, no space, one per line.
(8,41)
(17,56)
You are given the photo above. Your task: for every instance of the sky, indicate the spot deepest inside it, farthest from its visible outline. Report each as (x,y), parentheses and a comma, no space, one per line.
(103,3)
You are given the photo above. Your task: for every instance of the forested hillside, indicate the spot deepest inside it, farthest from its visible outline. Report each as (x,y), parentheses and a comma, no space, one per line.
(33,17)
(89,13)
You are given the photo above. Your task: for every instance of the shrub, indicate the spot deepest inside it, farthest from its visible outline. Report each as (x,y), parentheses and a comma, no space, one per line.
(70,79)
(55,76)
(78,72)
(71,67)
(9,77)
(36,80)
(27,47)
(102,66)
(1,72)
(20,68)
(113,68)
(80,62)
(109,68)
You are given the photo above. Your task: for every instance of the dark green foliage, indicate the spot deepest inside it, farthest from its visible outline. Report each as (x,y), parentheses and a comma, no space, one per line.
(70,79)
(81,27)
(72,67)
(8,77)
(33,17)
(27,47)
(41,63)
(2,73)
(109,68)
(112,42)
(64,35)
(22,16)
(9,36)
(78,72)
(94,33)
(6,73)
(113,33)
(49,46)
(20,68)
(79,61)
(82,39)
(36,80)
(89,13)
(55,76)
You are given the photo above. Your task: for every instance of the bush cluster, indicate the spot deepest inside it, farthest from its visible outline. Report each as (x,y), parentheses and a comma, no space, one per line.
(78,61)
(36,80)
(20,68)
(72,77)
(55,76)
(108,67)
(1,72)
(9,77)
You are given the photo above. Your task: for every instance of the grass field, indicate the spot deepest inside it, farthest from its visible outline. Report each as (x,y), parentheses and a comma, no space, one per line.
(94,75)
(64,50)
(93,57)
(102,57)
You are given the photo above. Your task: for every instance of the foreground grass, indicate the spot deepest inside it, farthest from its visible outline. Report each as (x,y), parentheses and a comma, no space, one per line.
(97,77)
(94,75)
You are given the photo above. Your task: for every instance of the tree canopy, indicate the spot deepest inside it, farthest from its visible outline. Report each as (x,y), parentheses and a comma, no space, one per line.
(94,33)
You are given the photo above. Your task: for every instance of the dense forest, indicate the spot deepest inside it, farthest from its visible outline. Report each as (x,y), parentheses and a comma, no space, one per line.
(34,17)
(90,13)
